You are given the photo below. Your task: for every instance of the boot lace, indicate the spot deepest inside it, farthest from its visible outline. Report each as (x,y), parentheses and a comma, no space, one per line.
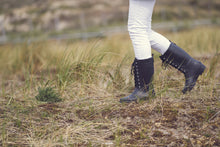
(132,68)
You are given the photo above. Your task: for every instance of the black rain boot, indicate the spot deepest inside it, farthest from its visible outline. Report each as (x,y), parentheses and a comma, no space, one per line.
(179,59)
(143,75)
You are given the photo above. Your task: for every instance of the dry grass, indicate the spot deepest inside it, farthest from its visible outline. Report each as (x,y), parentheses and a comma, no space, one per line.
(91,77)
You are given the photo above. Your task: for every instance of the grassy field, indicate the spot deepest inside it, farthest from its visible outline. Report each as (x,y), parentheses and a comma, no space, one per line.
(89,78)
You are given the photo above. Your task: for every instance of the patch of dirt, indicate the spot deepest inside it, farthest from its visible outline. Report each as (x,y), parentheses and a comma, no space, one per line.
(51,108)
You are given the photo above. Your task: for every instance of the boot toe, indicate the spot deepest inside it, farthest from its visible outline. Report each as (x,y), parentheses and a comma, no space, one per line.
(191,81)
(188,88)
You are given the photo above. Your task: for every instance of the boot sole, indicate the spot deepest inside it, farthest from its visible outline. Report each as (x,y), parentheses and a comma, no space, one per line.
(202,69)
(127,101)
(138,99)
(134,100)
(130,101)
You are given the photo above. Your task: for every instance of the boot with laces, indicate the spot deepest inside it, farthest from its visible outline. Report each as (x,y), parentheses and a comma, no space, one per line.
(143,71)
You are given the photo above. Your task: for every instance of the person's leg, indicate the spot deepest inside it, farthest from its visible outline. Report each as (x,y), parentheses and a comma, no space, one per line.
(139,24)
(158,42)
(141,34)
(175,56)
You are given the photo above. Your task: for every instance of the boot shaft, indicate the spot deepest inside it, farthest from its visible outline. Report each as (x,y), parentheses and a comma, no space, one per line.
(143,73)
(176,57)
(179,59)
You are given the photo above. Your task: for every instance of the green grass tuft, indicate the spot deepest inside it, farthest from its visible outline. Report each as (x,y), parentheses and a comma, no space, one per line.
(48,94)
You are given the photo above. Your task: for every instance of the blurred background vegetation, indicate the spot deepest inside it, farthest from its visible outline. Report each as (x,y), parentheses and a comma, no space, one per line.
(22,19)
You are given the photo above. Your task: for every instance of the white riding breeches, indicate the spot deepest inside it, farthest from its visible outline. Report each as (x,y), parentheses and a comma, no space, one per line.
(139,27)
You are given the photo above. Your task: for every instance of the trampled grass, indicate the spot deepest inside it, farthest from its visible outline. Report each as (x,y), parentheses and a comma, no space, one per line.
(90,77)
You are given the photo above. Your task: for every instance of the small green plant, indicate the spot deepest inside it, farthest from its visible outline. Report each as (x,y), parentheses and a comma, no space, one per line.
(47,94)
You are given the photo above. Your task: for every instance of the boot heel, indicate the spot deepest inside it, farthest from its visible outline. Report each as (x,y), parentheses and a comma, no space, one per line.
(202,69)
